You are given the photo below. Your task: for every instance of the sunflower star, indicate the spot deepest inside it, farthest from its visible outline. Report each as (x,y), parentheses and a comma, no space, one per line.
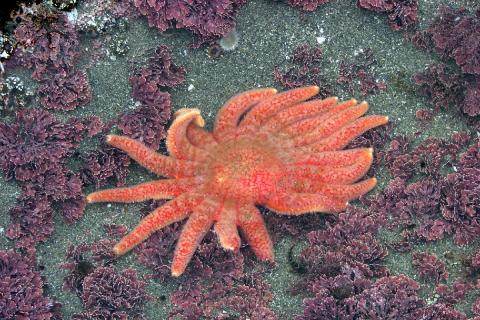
(267,148)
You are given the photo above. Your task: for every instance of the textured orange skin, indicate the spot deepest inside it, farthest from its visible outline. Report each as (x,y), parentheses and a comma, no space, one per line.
(267,148)
(244,169)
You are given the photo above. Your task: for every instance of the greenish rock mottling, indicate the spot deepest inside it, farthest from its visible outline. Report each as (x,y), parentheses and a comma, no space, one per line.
(269,31)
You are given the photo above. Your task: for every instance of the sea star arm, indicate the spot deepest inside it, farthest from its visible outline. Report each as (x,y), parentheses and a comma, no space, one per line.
(226,227)
(177,142)
(309,123)
(153,161)
(227,118)
(338,158)
(267,108)
(342,137)
(173,211)
(159,189)
(255,231)
(347,192)
(327,126)
(297,112)
(332,175)
(301,203)
(192,234)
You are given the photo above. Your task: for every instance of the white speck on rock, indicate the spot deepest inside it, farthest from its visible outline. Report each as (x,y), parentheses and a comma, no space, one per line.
(321,39)
(191,87)
(4,55)
(72,16)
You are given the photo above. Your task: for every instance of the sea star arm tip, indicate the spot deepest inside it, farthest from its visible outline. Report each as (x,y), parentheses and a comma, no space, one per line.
(177,142)
(342,137)
(192,234)
(329,123)
(187,112)
(226,227)
(228,237)
(255,231)
(347,192)
(89,199)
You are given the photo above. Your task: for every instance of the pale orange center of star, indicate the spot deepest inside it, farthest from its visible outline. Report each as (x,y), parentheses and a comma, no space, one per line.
(244,170)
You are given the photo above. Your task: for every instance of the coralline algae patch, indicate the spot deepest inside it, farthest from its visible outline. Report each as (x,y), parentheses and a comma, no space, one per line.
(73,72)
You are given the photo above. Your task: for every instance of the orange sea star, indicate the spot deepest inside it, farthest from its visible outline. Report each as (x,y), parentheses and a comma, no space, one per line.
(267,148)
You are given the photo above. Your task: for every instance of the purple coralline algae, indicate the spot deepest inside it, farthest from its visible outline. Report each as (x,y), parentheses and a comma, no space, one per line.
(453,294)
(360,70)
(160,72)
(48,43)
(147,122)
(103,164)
(35,142)
(21,289)
(418,204)
(83,259)
(351,296)
(446,89)
(425,159)
(454,34)
(472,95)
(350,242)
(402,14)
(434,205)
(65,91)
(305,70)
(34,150)
(461,200)
(441,87)
(329,293)
(307,5)
(108,294)
(473,264)
(391,297)
(429,266)
(440,311)
(209,20)
(476,309)
(105,292)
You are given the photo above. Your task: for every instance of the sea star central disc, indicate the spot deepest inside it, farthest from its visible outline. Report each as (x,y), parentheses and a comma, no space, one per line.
(243,169)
